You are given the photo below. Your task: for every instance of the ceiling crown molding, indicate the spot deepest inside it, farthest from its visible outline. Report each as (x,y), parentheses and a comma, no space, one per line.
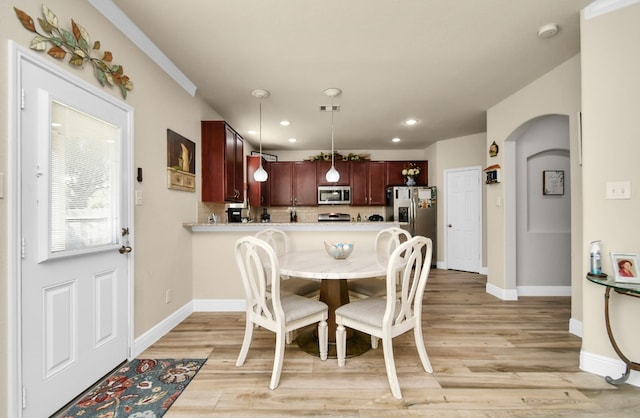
(135,35)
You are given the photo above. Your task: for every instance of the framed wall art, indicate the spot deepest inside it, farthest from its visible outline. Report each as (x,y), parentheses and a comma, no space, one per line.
(553,182)
(181,162)
(625,266)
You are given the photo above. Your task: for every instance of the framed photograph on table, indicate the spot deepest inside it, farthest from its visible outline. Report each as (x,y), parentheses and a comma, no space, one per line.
(553,182)
(625,266)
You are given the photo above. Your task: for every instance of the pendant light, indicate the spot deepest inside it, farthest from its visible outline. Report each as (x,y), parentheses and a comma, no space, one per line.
(332,175)
(260,174)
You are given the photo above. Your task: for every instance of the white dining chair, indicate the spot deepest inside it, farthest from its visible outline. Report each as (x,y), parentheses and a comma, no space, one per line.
(279,240)
(279,313)
(389,317)
(385,242)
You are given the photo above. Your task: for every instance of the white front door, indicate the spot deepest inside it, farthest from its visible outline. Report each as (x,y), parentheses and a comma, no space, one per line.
(463,219)
(75,283)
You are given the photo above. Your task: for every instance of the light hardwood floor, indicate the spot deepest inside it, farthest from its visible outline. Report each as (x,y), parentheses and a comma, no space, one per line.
(491,358)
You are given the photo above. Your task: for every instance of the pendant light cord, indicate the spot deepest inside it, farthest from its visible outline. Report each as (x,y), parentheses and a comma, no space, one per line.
(332,151)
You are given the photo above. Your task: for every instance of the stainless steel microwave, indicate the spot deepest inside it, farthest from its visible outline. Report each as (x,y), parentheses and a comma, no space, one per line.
(334,195)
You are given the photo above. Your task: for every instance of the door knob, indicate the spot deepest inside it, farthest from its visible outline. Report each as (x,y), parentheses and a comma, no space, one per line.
(125,249)
(449,225)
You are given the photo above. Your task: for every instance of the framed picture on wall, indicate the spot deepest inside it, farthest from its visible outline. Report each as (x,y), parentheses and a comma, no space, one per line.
(625,266)
(181,163)
(553,182)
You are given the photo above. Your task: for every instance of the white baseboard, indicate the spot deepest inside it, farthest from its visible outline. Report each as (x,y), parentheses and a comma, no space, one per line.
(218,305)
(154,334)
(575,327)
(197,305)
(544,290)
(605,366)
(504,294)
(443,266)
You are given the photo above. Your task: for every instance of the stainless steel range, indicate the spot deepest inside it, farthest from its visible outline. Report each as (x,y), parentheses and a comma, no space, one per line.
(334,217)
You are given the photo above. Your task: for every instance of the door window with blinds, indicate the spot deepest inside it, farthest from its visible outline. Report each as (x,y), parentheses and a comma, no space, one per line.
(79,183)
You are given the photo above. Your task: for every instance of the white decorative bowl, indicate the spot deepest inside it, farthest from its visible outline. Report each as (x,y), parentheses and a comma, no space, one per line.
(339,250)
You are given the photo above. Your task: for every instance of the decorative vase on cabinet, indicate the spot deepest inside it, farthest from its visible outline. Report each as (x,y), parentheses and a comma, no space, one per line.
(410,181)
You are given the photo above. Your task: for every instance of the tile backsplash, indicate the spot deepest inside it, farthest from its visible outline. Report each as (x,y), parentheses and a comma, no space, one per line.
(281,214)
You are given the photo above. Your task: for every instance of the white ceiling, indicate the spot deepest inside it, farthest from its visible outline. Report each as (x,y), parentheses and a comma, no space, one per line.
(443,62)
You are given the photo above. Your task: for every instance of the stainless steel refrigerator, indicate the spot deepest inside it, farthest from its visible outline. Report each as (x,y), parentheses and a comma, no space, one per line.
(415,205)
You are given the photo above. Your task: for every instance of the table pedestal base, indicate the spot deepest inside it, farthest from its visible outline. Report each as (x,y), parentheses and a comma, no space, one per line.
(357,344)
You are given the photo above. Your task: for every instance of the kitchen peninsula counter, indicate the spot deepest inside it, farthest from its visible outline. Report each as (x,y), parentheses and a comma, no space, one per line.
(290,226)
(217,284)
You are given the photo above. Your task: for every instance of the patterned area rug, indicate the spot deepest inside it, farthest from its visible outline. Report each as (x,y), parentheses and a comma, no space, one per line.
(142,388)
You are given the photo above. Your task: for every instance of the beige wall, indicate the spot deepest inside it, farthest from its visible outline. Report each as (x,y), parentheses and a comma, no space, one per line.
(162,250)
(466,151)
(557,92)
(611,146)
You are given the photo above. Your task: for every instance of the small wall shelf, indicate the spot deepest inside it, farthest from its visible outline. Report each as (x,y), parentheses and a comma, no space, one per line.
(493,174)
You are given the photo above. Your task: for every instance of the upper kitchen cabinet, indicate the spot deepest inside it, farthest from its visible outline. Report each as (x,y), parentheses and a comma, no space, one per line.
(343,167)
(394,175)
(367,183)
(257,191)
(293,183)
(222,163)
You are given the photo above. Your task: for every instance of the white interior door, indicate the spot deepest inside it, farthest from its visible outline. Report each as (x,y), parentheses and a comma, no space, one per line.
(463,219)
(75,283)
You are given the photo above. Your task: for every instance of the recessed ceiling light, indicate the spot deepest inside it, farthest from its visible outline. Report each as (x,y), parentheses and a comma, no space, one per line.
(292,140)
(285,123)
(410,122)
(252,132)
(395,139)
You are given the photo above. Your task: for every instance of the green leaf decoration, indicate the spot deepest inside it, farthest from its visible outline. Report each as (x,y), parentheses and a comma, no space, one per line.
(76,43)
(76,60)
(45,25)
(68,38)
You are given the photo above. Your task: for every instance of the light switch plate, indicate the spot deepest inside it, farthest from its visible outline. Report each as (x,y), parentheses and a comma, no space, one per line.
(618,190)
(138,197)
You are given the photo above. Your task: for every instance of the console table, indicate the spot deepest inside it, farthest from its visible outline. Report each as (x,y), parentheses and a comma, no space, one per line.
(623,289)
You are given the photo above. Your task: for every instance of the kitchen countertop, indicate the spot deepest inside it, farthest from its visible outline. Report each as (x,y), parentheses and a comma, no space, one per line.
(291,226)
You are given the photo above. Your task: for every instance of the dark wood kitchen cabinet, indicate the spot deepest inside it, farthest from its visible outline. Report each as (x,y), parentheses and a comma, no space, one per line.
(257,191)
(367,183)
(394,175)
(343,167)
(293,183)
(222,163)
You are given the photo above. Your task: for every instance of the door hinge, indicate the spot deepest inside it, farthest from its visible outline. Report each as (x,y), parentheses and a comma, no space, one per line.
(24,397)
(22,248)
(21,98)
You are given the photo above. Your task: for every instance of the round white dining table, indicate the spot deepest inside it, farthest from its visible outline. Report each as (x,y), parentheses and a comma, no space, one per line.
(334,291)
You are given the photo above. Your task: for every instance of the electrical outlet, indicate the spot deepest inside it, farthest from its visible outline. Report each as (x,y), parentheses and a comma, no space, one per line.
(618,190)
(167,296)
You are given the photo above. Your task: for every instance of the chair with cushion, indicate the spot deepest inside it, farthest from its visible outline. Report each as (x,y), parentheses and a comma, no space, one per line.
(386,241)
(279,240)
(386,318)
(279,313)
